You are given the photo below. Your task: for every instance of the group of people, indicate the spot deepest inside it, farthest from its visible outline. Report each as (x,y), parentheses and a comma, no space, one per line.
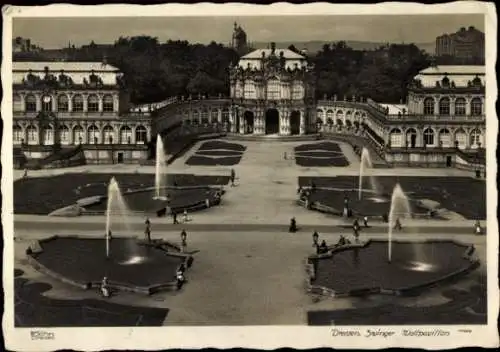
(322,248)
(185,217)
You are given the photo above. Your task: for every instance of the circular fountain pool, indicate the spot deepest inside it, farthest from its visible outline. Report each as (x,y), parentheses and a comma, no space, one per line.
(365,269)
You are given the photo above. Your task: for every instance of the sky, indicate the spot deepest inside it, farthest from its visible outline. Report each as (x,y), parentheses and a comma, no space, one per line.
(51,33)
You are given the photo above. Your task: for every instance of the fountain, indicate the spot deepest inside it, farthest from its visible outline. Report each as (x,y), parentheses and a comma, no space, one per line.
(160,170)
(366,163)
(400,207)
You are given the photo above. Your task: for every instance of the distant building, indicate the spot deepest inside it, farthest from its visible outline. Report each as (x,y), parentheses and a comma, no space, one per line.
(23,45)
(64,105)
(466,44)
(239,40)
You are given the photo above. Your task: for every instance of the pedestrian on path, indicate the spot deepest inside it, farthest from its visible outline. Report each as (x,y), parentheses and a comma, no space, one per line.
(365,221)
(25,173)
(315,238)
(477,228)
(397,224)
(185,216)
(147,230)
(174,217)
(233,177)
(293,226)
(183,240)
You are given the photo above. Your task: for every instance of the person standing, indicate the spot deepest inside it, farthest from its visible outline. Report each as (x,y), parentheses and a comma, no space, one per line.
(315,238)
(174,217)
(365,221)
(233,176)
(183,239)
(293,225)
(397,225)
(147,230)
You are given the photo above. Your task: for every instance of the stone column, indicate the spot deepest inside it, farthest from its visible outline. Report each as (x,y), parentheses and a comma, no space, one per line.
(232,120)
(85,103)
(38,102)
(54,103)
(468,109)
(242,122)
(452,106)
(70,102)
(436,106)
(219,115)
(100,106)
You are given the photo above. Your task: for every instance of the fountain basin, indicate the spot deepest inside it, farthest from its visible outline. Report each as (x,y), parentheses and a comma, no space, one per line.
(133,265)
(363,269)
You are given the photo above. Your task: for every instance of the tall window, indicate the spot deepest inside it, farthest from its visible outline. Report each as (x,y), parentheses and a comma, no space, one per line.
(225,115)
(250,92)
(238,90)
(214,116)
(78,103)
(460,104)
(30,103)
(93,103)
(141,135)
(108,103)
(396,138)
(476,107)
(428,136)
(461,138)
(475,138)
(46,103)
(445,138)
(429,106)
(297,90)
(62,103)
(64,134)
(444,106)
(329,115)
(32,134)
(108,135)
(48,135)
(273,89)
(204,115)
(78,135)
(125,135)
(320,115)
(17,134)
(93,134)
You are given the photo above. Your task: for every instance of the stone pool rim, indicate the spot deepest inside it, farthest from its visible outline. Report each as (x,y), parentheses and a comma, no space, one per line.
(118,286)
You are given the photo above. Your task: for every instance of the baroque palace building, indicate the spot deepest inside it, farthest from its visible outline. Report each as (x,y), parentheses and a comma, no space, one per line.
(76,106)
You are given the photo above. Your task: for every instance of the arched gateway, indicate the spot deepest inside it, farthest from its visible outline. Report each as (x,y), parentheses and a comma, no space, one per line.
(272,121)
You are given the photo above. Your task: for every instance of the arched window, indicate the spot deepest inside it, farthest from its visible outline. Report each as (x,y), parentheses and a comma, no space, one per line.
(297,90)
(108,135)
(396,138)
(77,103)
(78,135)
(214,116)
(411,138)
(273,89)
(141,135)
(461,138)
(339,116)
(64,134)
(320,115)
(125,135)
(428,106)
(108,103)
(93,103)
(475,138)
(47,103)
(428,137)
(17,134)
(225,115)
(476,107)
(329,115)
(460,107)
(204,115)
(32,134)
(93,134)
(30,103)
(445,138)
(444,106)
(17,103)
(62,103)
(249,91)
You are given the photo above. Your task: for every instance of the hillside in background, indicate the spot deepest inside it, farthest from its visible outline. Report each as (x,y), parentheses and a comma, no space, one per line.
(316,45)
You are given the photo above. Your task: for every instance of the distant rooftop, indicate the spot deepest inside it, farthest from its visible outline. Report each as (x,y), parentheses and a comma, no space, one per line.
(69,66)
(287,53)
(454,69)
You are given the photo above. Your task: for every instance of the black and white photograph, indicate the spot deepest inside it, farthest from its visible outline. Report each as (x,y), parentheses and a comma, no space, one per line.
(227,175)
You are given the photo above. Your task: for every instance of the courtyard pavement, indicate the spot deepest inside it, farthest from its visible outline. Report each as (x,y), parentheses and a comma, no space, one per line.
(245,276)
